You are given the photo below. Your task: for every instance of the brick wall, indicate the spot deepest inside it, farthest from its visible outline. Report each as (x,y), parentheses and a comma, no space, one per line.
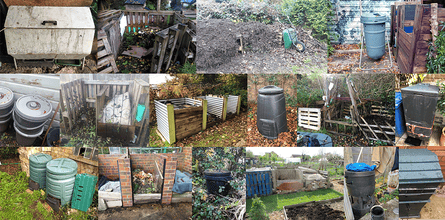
(169,177)
(187,162)
(125,180)
(108,165)
(83,165)
(143,162)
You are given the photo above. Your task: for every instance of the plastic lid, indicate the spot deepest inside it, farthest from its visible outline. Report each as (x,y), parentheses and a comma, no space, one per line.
(6,97)
(270,90)
(372,18)
(33,107)
(40,158)
(422,88)
(62,166)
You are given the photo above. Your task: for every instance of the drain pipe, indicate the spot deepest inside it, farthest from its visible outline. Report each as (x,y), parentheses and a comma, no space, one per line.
(377,213)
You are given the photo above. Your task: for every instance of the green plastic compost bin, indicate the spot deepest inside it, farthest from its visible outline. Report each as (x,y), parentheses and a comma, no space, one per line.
(84,188)
(37,168)
(374,28)
(60,177)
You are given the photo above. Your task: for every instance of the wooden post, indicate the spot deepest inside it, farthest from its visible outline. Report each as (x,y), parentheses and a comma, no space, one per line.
(416,35)
(238,107)
(158,7)
(100,102)
(434,22)
(204,114)
(224,113)
(171,123)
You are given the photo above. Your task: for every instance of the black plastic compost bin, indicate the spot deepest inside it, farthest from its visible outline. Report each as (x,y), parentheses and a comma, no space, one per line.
(419,105)
(361,186)
(271,112)
(217,178)
(419,175)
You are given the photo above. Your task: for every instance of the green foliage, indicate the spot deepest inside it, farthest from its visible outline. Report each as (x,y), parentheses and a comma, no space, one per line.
(258,210)
(188,68)
(232,84)
(312,14)
(435,57)
(129,38)
(441,101)
(8,152)
(306,93)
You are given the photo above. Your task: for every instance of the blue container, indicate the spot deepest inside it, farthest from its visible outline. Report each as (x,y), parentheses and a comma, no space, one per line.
(400,119)
(259,182)
(374,28)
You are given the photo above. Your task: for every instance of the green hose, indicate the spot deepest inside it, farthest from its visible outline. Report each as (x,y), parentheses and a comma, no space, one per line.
(8,164)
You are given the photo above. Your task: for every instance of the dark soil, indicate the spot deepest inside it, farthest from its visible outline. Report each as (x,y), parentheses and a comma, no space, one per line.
(178,211)
(9,165)
(316,212)
(218,48)
(85,121)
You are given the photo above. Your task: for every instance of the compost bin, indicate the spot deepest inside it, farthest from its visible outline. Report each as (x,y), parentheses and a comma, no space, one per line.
(216,179)
(419,105)
(84,188)
(6,108)
(271,113)
(361,186)
(30,115)
(37,170)
(259,182)
(60,178)
(374,28)
(420,174)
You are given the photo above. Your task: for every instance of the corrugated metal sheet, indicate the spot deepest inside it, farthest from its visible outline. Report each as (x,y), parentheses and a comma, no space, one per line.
(232,104)
(346,26)
(214,105)
(162,119)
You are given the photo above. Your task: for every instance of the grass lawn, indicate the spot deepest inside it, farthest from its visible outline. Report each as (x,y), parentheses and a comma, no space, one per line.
(276,202)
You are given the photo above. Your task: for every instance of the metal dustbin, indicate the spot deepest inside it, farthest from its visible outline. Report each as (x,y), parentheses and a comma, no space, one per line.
(60,178)
(419,105)
(271,112)
(374,29)
(400,120)
(37,170)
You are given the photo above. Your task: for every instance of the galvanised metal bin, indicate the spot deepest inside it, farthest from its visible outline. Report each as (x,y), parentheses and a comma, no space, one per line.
(60,177)
(374,28)
(419,105)
(271,112)
(84,188)
(419,175)
(37,168)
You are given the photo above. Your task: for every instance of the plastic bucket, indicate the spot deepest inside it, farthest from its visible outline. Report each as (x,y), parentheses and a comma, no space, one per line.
(27,130)
(217,179)
(4,124)
(53,135)
(24,139)
(400,119)
(374,29)
(377,213)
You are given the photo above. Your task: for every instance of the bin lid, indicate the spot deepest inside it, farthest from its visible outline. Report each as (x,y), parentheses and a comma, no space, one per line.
(424,88)
(33,107)
(6,97)
(25,17)
(269,90)
(40,158)
(398,99)
(62,166)
(372,18)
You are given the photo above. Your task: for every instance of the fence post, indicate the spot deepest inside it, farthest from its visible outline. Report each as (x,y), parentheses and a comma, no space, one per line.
(171,123)
(204,114)
(238,107)
(225,100)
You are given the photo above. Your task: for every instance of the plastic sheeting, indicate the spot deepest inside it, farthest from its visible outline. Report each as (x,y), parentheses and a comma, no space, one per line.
(115,186)
(183,182)
(118,110)
(360,167)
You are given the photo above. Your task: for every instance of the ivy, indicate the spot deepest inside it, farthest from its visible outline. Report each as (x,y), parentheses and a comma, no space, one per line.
(435,57)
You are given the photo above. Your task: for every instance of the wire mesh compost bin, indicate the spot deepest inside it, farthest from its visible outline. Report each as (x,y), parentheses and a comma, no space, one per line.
(259,182)
(121,107)
(419,176)
(37,33)
(180,118)
(419,105)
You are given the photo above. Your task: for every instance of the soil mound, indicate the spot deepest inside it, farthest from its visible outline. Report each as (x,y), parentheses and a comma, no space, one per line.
(314,212)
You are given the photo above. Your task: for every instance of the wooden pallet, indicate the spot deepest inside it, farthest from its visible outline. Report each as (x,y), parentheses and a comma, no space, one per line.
(309,118)
(165,44)
(105,58)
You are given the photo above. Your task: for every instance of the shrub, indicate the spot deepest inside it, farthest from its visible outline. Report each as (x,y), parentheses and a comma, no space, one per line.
(435,58)
(258,210)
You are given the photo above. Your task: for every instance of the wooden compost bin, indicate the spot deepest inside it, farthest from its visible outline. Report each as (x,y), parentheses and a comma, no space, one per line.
(180,118)
(82,93)
(413,29)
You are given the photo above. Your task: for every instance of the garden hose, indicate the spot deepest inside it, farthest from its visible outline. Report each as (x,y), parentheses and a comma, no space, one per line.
(1,164)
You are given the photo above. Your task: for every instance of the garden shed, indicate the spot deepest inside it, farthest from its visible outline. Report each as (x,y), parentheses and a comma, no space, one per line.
(171,37)
(123,167)
(120,103)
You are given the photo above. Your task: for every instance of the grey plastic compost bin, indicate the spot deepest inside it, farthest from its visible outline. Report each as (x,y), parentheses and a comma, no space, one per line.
(60,178)
(374,28)
(30,115)
(271,112)
(37,168)
(419,105)
(361,186)
(6,106)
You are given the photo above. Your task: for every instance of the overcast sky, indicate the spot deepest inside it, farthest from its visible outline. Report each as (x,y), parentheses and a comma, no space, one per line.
(285,152)
(159,78)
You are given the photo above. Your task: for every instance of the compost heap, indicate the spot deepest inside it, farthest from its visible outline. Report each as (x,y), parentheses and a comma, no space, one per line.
(219,43)
(118,110)
(313,212)
(143,182)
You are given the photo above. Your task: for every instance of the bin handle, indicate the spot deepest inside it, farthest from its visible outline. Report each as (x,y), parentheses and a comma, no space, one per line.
(51,22)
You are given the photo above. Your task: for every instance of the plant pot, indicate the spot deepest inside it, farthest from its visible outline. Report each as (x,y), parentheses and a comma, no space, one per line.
(24,139)
(442,138)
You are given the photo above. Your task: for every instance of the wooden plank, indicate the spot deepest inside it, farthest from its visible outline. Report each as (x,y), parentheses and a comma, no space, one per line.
(372,131)
(185,197)
(384,133)
(171,123)
(204,114)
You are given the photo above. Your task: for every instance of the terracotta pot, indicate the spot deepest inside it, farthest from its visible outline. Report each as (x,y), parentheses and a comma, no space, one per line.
(442,138)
